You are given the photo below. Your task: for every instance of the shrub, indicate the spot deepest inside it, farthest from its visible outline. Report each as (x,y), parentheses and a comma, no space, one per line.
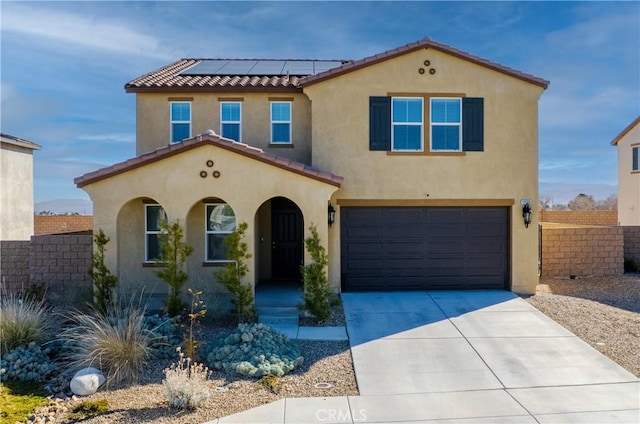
(117,343)
(255,350)
(185,383)
(104,283)
(89,409)
(18,400)
(26,363)
(232,273)
(317,293)
(22,321)
(174,253)
(166,336)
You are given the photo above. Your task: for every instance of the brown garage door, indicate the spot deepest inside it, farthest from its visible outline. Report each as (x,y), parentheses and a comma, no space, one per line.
(412,248)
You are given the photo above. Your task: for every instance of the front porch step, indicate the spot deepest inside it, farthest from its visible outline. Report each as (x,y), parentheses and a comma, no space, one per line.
(278,315)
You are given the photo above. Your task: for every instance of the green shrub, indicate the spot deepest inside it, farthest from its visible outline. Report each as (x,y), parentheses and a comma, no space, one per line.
(185,384)
(166,335)
(22,321)
(89,408)
(18,400)
(317,293)
(230,276)
(174,253)
(26,363)
(104,283)
(255,350)
(117,343)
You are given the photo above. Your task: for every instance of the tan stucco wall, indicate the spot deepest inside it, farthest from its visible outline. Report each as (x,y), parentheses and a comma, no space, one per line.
(245,184)
(507,169)
(16,192)
(628,181)
(153,123)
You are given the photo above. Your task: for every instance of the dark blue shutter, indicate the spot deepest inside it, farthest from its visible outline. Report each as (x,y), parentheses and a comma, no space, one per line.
(380,123)
(636,153)
(473,124)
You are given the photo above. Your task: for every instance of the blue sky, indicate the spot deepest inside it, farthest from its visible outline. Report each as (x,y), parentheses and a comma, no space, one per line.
(64,66)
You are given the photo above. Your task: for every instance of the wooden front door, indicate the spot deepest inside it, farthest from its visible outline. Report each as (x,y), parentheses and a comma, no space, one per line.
(287,239)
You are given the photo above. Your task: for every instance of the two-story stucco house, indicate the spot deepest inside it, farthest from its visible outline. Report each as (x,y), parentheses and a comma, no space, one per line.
(628,144)
(413,164)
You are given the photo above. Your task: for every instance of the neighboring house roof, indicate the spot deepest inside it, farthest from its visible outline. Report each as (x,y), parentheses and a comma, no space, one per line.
(209,138)
(292,76)
(422,44)
(229,74)
(20,142)
(624,132)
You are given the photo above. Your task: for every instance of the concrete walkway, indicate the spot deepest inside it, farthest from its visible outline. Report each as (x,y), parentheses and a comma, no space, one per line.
(463,357)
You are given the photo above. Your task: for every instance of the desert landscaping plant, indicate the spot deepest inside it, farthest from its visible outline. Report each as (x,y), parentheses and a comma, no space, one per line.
(18,400)
(89,408)
(185,383)
(317,293)
(104,283)
(255,350)
(231,275)
(174,253)
(117,343)
(197,311)
(27,363)
(22,321)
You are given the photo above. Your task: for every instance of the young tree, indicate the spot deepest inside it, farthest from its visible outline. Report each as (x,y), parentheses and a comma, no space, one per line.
(104,283)
(232,273)
(317,293)
(174,253)
(582,202)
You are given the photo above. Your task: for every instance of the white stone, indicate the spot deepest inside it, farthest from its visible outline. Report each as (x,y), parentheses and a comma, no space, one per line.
(86,381)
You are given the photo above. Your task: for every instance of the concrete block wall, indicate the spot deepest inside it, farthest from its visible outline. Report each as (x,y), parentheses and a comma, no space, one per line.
(58,224)
(632,243)
(590,217)
(14,265)
(61,260)
(582,251)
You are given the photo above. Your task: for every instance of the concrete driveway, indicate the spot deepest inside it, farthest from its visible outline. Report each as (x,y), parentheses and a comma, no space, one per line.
(464,357)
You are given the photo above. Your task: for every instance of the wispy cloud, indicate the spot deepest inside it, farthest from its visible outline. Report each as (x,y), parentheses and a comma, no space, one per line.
(93,32)
(109,138)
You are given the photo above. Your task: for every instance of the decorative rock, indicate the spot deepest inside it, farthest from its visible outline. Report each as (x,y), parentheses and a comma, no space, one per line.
(86,381)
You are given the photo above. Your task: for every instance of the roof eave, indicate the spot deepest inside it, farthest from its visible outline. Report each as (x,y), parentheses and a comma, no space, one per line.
(625,131)
(211,89)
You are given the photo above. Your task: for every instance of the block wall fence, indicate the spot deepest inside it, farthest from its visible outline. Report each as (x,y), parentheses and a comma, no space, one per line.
(607,218)
(632,243)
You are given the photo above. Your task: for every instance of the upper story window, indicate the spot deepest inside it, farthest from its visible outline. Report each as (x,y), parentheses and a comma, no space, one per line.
(406,122)
(454,124)
(220,221)
(154,218)
(446,124)
(231,120)
(635,164)
(180,121)
(281,122)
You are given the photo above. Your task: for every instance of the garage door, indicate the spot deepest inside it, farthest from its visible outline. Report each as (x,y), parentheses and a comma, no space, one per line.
(417,248)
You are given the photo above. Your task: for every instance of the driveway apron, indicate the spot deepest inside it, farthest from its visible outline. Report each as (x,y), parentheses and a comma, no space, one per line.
(483,356)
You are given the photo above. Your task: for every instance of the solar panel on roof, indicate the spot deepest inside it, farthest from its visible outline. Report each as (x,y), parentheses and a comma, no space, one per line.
(260,67)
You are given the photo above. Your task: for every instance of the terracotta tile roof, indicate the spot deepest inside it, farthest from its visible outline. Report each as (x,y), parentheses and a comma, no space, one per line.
(624,132)
(209,137)
(422,44)
(17,141)
(169,78)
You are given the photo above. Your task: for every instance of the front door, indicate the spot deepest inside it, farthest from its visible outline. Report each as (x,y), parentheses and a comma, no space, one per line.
(287,239)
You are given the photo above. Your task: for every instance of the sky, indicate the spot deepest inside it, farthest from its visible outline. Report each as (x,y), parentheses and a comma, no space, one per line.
(63,67)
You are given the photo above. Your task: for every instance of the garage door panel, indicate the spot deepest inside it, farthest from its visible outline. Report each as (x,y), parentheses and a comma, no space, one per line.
(388,248)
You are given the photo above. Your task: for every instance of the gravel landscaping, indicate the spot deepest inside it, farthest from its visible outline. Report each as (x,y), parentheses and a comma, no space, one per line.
(602,311)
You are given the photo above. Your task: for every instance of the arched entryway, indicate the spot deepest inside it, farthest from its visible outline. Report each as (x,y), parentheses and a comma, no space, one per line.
(280,241)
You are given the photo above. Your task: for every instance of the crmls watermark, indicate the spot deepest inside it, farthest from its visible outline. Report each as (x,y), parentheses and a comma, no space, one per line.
(340,415)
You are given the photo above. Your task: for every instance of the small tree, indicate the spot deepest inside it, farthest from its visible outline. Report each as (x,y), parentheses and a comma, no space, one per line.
(104,283)
(174,253)
(317,293)
(232,273)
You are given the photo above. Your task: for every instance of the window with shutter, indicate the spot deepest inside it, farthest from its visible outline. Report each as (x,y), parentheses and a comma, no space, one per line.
(380,123)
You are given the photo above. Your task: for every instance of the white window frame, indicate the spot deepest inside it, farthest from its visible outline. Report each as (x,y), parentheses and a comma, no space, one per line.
(148,232)
(281,121)
(208,231)
(239,122)
(171,121)
(439,124)
(420,124)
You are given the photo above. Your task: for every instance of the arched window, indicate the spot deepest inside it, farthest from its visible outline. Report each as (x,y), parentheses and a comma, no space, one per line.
(220,221)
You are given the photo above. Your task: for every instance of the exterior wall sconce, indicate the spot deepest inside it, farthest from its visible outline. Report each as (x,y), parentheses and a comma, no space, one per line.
(331,214)
(526,212)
